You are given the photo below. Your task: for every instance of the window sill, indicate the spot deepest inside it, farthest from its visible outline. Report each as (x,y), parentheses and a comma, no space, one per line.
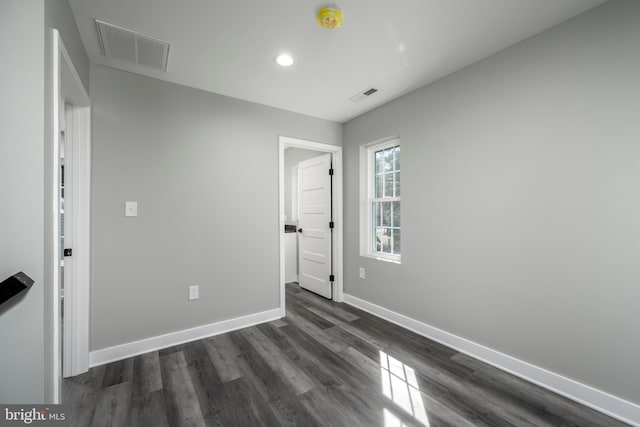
(381,258)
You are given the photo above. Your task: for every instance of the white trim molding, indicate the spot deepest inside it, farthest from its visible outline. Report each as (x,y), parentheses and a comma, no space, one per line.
(599,400)
(124,351)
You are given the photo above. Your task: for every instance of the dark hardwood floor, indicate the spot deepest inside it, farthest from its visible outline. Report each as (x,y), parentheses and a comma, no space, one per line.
(325,364)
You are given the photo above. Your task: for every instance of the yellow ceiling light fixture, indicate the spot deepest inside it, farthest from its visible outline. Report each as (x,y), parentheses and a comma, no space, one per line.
(329,18)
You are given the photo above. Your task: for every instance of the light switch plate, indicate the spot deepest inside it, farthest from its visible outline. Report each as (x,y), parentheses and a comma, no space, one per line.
(362,276)
(194,292)
(131,208)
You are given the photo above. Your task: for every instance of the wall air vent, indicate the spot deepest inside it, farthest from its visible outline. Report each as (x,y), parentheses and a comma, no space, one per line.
(364,94)
(118,42)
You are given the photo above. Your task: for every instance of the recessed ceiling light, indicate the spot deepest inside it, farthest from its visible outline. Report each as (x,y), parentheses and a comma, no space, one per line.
(284,59)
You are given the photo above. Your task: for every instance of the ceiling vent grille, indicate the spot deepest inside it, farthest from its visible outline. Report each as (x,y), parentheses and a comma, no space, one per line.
(363,95)
(117,42)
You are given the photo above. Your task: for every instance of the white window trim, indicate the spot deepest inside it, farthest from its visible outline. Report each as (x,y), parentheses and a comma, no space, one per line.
(366,188)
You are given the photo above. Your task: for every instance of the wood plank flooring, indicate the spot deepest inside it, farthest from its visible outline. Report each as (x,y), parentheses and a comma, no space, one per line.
(324,364)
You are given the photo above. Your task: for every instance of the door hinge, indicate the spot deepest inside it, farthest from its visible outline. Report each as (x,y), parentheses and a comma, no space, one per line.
(331,171)
(331,224)
(68,252)
(332,278)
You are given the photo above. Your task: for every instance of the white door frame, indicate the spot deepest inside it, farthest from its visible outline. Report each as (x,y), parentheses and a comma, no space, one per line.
(285,142)
(67,86)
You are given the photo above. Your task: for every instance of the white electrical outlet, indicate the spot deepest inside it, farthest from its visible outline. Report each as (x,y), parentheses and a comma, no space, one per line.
(131,208)
(194,292)
(362,272)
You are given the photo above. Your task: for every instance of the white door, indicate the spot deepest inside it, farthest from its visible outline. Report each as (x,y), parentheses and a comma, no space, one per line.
(314,215)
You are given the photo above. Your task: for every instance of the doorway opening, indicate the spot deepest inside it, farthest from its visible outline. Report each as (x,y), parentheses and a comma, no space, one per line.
(71,162)
(311,225)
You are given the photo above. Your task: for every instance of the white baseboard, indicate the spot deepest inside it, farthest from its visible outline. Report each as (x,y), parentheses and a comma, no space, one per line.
(601,401)
(123,351)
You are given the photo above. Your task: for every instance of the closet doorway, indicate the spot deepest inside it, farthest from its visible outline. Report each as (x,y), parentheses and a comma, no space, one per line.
(310,217)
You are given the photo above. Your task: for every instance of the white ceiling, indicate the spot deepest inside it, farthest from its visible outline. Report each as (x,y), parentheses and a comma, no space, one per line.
(396,46)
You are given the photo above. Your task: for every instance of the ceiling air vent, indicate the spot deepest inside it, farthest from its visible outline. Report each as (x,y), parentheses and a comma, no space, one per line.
(364,94)
(118,42)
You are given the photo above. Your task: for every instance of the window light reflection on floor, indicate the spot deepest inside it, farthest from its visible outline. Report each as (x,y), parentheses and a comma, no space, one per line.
(399,383)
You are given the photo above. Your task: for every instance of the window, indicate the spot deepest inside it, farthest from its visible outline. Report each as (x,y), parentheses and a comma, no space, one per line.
(380,236)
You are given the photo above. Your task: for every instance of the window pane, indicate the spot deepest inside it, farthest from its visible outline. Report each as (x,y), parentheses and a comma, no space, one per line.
(389,159)
(385,224)
(378,186)
(386,214)
(379,162)
(376,214)
(383,240)
(388,185)
(397,158)
(396,184)
(396,214)
(384,160)
(396,241)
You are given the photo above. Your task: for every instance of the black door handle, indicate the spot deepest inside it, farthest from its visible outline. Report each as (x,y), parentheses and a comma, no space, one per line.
(299,230)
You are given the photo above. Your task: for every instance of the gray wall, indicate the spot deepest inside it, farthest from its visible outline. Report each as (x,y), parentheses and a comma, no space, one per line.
(204,171)
(292,157)
(520,201)
(22,195)
(57,14)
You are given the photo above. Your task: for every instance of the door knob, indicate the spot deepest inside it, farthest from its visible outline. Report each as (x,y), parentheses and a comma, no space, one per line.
(299,230)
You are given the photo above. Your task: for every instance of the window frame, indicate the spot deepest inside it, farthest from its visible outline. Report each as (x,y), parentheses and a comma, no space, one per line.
(367,188)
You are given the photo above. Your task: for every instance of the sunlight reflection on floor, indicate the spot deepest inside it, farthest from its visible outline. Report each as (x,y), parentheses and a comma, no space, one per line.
(399,383)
